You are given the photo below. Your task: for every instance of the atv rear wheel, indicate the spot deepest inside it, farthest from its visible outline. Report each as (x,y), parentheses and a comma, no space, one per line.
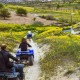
(31,59)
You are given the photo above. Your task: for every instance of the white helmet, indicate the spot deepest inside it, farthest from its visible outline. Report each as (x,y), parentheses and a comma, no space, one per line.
(29,32)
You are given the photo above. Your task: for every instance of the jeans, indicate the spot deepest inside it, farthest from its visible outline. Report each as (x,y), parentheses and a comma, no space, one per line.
(18,68)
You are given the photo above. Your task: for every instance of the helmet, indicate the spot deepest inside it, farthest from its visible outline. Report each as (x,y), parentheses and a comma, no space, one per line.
(3,46)
(29,32)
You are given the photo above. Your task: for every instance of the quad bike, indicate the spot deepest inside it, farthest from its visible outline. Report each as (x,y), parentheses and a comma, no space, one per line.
(29,37)
(10,75)
(27,56)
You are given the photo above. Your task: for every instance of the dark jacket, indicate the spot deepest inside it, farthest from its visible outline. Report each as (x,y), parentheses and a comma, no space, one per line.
(29,35)
(24,46)
(2,63)
(4,60)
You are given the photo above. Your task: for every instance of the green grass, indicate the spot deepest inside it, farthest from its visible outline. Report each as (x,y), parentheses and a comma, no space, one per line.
(11,34)
(14,7)
(11,39)
(63,14)
(63,49)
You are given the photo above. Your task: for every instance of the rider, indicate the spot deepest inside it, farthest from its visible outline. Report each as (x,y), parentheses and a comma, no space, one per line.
(29,35)
(24,44)
(8,64)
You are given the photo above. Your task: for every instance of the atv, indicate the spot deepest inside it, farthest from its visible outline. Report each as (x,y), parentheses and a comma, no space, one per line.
(26,56)
(10,75)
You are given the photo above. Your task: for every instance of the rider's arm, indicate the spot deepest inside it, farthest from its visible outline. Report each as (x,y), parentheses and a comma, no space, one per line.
(29,45)
(20,46)
(12,57)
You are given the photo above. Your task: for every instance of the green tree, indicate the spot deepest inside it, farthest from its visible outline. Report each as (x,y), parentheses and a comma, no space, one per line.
(57,6)
(4,13)
(21,12)
(1,5)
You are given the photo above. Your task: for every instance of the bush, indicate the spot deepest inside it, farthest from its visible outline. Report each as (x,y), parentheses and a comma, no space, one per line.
(44,17)
(21,12)
(63,20)
(4,13)
(1,5)
(34,18)
(49,17)
(37,23)
(57,6)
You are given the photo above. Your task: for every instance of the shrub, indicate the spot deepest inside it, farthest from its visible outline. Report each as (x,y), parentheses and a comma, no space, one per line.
(34,18)
(4,13)
(49,17)
(37,23)
(1,5)
(43,16)
(63,20)
(57,6)
(21,11)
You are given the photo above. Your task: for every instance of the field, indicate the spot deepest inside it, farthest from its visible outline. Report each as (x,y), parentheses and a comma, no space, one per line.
(47,22)
(63,53)
(64,15)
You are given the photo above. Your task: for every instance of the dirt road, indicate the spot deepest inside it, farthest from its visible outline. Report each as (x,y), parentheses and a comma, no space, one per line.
(33,72)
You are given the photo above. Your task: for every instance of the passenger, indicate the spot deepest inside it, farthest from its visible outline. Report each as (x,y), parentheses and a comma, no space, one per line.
(8,64)
(24,45)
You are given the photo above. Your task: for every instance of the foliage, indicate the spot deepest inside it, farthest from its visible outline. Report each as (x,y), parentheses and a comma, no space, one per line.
(13,27)
(62,49)
(11,39)
(47,17)
(4,13)
(1,5)
(14,7)
(58,6)
(37,23)
(21,12)
(34,18)
(49,31)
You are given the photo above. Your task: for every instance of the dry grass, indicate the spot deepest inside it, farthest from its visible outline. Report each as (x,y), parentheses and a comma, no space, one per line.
(24,19)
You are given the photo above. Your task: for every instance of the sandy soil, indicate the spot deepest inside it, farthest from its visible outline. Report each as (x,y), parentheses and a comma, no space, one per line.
(25,20)
(32,72)
(73,76)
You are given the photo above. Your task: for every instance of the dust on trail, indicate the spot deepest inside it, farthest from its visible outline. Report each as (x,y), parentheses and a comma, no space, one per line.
(33,72)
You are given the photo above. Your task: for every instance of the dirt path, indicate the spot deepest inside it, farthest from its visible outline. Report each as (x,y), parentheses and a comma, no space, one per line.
(33,72)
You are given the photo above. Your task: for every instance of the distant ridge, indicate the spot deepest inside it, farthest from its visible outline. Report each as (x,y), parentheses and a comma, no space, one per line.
(11,1)
(5,1)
